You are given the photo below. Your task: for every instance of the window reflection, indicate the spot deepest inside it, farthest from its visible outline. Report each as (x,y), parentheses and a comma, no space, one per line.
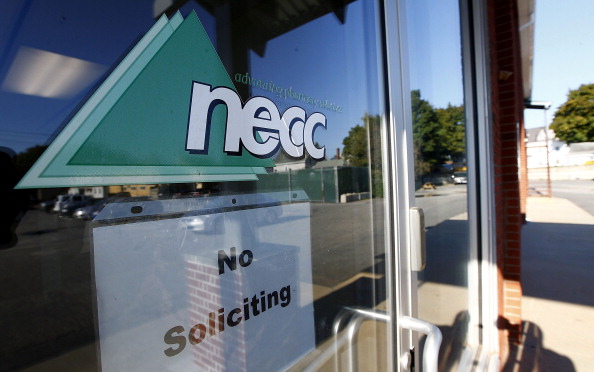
(439,136)
(45,74)
(318,56)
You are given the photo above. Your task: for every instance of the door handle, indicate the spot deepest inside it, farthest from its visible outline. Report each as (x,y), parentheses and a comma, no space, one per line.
(417,239)
(355,317)
(432,344)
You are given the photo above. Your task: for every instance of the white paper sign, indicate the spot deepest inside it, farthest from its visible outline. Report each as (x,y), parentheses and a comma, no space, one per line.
(223,291)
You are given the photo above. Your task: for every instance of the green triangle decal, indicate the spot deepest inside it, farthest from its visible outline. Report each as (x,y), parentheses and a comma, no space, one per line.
(133,128)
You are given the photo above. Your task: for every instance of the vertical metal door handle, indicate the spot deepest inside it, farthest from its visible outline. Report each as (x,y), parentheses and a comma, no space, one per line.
(432,344)
(417,239)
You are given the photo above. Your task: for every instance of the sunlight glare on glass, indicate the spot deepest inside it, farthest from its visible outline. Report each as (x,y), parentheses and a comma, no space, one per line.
(46,74)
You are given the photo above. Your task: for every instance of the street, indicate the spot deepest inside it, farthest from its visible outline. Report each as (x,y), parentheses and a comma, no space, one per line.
(579,192)
(45,281)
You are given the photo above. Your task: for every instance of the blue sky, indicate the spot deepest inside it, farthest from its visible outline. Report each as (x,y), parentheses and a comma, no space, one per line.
(563,55)
(33,30)
(564,40)
(434,51)
(345,76)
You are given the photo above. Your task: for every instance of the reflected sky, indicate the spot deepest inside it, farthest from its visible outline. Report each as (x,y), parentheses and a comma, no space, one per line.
(435,51)
(45,74)
(53,54)
(328,61)
(68,39)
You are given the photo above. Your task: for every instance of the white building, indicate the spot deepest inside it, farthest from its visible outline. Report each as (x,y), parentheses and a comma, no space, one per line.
(579,154)
(538,141)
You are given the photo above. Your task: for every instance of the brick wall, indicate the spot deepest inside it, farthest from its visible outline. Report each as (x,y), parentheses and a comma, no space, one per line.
(508,129)
(206,293)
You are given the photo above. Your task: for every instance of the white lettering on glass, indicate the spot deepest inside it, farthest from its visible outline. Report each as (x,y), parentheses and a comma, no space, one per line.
(257,126)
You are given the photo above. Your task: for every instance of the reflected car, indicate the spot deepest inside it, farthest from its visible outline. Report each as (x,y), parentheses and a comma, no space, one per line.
(77,201)
(48,205)
(60,201)
(90,211)
(460,178)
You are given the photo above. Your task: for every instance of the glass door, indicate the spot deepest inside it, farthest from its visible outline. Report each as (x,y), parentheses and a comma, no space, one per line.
(235,185)
(444,285)
(200,186)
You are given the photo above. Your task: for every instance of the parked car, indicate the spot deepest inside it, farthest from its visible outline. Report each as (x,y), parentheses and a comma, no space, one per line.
(460,178)
(88,212)
(69,205)
(48,205)
(60,201)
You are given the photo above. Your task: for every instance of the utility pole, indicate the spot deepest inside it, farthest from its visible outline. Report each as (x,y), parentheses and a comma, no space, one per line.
(545,107)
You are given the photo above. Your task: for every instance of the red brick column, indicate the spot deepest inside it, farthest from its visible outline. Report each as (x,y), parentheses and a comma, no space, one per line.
(508,137)
(206,293)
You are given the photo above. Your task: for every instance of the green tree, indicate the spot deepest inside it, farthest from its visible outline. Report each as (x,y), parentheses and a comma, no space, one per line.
(453,131)
(358,152)
(438,135)
(574,120)
(428,147)
(355,147)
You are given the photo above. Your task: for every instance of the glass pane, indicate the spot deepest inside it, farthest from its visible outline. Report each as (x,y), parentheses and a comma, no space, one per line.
(439,136)
(122,252)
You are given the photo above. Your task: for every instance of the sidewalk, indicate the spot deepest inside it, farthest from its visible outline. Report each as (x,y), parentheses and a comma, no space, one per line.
(558,289)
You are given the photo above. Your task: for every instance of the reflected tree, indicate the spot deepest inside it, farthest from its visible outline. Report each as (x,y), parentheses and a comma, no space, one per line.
(362,148)
(438,135)
(355,149)
(453,132)
(427,147)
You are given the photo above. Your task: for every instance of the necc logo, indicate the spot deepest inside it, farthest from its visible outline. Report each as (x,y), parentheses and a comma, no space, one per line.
(257,125)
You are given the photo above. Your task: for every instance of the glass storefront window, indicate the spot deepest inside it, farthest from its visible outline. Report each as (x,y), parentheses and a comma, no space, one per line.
(108,274)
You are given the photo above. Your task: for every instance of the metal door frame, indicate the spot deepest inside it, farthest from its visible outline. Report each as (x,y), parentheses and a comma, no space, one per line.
(399,161)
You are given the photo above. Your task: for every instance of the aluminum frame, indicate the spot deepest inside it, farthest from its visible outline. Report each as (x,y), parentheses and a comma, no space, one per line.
(483,295)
